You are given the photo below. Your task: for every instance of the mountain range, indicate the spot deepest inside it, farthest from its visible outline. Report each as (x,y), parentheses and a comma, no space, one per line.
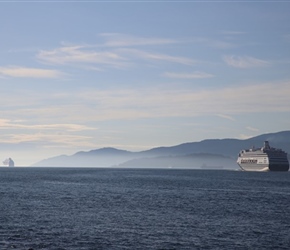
(210,153)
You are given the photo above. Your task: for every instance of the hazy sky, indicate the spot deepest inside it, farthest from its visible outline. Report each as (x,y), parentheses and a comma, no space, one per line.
(81,75)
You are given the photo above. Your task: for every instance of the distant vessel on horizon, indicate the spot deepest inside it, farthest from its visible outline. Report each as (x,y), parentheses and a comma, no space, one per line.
(263,159)
(9,162)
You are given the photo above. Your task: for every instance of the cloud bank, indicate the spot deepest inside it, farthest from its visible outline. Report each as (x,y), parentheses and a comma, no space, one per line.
(16,71)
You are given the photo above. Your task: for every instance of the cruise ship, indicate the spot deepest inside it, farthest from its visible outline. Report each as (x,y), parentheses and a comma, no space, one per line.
(263,159)
(9,162)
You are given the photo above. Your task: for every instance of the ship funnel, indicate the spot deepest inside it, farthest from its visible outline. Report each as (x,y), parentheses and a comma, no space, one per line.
(266,145)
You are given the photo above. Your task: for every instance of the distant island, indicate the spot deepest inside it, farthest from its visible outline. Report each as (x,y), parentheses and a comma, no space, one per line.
(206,154)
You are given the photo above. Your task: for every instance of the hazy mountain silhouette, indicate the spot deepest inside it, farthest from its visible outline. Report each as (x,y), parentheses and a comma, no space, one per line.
(103,157)
(201,160)
(212,153)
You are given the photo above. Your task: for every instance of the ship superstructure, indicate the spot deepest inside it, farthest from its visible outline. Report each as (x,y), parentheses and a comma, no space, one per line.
(263,159)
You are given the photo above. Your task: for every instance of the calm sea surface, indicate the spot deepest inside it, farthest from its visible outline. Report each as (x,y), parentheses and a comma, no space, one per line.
(82,208)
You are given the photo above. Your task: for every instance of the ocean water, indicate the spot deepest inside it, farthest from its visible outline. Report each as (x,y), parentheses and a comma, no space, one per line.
(82,208)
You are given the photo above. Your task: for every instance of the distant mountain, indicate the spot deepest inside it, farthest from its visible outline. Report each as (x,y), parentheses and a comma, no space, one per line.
(104,157)
(228,147)
(210,153)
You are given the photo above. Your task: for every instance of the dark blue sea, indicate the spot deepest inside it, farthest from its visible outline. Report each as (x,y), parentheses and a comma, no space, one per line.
(86,208)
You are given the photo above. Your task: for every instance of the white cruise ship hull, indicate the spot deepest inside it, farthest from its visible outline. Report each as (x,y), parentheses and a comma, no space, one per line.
(264,159)
(248,163)
(257,168)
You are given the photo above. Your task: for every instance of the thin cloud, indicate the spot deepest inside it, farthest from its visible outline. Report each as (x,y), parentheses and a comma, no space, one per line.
(141,54)
(64,140)
(23,72)
(54,135)
(245,62)
(252,129)
(226,117)
(194,75)
(244,137)
(7,124)
(121,40)
(118,51)
(118,58)
(81,54)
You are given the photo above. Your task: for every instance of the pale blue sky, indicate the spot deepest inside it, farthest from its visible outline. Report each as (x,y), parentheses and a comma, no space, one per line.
(81,75)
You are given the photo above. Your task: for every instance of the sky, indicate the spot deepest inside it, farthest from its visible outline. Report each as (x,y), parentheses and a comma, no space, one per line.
(83,75)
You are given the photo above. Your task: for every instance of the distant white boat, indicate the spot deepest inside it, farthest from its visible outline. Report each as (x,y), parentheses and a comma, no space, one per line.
(9,162)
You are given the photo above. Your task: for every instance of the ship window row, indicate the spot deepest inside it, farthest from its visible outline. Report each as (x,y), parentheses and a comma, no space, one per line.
(249,161)
(257,155)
